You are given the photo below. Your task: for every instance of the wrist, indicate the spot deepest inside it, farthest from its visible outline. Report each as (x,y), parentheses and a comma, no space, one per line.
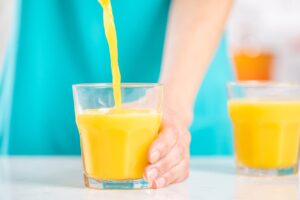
(181,112)
(179,101)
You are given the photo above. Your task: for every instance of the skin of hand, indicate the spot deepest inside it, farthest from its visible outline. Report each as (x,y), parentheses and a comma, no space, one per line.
(194,30)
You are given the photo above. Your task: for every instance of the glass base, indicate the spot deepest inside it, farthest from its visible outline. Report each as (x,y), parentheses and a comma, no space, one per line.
(115,185)
(267,172)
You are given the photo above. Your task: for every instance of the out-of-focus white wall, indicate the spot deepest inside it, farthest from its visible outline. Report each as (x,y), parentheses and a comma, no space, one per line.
(271,25)
(7,10)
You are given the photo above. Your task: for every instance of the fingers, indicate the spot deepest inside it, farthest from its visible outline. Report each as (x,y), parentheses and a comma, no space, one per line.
(177,174)
(163,144)
(175,156)
(169,155)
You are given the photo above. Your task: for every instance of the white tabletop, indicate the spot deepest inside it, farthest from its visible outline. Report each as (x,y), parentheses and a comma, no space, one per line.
(211,178)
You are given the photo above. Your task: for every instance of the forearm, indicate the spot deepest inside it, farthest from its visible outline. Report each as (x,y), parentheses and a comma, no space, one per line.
(194,30)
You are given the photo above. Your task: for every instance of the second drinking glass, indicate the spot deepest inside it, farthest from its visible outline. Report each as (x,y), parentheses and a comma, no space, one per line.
(266,122)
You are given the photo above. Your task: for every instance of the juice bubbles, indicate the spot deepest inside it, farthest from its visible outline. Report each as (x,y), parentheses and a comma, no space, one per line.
(266,132)
(115,143)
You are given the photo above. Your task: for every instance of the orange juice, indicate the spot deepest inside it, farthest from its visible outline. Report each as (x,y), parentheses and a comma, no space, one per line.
(252,65)
(111,36)
(115,142)
(266,132)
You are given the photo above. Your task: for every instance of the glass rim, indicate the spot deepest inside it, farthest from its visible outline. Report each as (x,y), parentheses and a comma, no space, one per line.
(110,85)
(258,84)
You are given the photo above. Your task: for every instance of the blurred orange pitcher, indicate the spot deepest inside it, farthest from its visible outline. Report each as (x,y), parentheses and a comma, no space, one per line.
(253,65)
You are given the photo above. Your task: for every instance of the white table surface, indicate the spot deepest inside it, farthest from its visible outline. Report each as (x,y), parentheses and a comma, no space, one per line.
(60,178)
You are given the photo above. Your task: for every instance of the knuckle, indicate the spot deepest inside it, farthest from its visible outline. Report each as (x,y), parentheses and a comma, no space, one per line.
(170,177)
(187,163)
(187,153)
(180,150)
(162,166)
(156,145)
(188,137)
(171,136)
(185,174)
(172,129)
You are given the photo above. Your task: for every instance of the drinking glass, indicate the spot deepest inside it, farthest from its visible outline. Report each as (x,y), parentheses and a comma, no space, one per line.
(115,141)
(266,123)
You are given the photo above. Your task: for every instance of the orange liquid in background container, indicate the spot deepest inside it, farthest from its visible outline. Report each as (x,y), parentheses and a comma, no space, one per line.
(253,65)
(267,133)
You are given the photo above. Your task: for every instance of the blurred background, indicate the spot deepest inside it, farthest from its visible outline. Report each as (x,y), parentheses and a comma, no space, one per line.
(7,8)
(264,38)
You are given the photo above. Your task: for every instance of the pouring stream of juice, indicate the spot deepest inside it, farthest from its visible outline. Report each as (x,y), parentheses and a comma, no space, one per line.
(116,157)
(111,36)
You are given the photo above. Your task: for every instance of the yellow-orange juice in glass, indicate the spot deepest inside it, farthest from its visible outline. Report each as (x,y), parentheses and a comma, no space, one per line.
(266,134)
(115,142)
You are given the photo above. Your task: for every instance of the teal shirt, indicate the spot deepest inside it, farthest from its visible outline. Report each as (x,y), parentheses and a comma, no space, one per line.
(60,43)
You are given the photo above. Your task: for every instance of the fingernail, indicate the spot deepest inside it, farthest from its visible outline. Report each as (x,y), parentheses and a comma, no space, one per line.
(154,156)
(151,174)
(159,183)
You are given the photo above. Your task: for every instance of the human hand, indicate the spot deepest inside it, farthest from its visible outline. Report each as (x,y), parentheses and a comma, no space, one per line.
(169,154)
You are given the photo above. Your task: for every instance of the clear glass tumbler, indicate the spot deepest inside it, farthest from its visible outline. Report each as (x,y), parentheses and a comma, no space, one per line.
(115,141)
(266,123)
